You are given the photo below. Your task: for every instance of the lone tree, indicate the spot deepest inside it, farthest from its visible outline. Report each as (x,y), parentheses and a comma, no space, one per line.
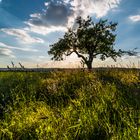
(88,40)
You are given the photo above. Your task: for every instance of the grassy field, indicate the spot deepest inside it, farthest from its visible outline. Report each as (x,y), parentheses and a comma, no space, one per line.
(70,105)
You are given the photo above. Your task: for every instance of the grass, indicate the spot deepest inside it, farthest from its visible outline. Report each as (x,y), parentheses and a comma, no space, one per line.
(66,105)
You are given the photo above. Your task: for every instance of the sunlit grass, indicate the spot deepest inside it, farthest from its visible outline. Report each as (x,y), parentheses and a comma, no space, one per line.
(81,105)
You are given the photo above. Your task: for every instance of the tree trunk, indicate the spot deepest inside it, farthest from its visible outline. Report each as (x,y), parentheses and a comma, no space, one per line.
(89,65)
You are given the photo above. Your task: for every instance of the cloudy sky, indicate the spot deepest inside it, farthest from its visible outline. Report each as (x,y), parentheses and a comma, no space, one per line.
(28,27)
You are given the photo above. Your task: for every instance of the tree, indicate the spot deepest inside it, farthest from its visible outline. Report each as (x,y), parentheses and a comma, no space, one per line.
(88,40)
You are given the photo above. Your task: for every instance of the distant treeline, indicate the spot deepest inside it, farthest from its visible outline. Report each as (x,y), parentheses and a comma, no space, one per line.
(60,69)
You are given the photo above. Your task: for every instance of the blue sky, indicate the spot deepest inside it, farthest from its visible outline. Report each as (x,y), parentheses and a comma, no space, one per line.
(28,27)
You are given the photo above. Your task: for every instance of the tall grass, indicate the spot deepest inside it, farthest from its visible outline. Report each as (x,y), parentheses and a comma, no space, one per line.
(66,105)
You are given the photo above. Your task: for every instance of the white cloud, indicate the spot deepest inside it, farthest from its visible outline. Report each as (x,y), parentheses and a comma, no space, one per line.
(22,36)
(39,22)
(3,45)
(135,18)
(99,8)
(43,30)
(6,52)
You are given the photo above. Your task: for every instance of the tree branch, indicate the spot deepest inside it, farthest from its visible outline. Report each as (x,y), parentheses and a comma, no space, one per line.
(79,55)
(69,53)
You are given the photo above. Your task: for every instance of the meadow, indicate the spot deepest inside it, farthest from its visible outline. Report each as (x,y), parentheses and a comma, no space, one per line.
(70,105)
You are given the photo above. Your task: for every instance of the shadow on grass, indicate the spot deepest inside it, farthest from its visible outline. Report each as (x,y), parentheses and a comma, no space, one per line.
(129,94)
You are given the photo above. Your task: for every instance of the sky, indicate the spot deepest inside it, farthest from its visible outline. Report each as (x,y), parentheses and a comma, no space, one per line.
(29,27)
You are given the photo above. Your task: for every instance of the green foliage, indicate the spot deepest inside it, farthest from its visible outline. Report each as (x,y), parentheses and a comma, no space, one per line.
(73,105)
(88,41)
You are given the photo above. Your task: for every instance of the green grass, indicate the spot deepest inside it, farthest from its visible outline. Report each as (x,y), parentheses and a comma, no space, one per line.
(66,105)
